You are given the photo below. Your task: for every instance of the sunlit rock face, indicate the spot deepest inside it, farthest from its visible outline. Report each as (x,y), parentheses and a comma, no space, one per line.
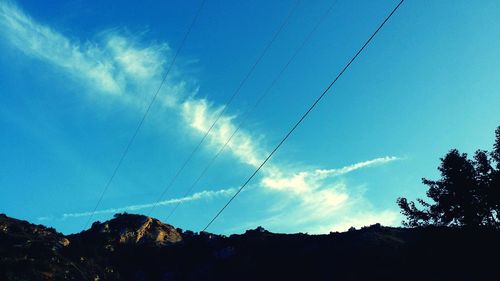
(135,229)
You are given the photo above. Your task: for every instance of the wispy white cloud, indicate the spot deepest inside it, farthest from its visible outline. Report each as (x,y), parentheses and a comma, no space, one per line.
(357,166)
(316,199)
(200,114)
(120,65)
(311,183)
(206,194)
(302,181)
(41,42)
(123,66)
(115,64)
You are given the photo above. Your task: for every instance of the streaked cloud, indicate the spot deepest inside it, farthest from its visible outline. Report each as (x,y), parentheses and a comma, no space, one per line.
(200,114)
(316,199)
(41,42)
(304,181)
(206,194)
(115,64)
(354,167)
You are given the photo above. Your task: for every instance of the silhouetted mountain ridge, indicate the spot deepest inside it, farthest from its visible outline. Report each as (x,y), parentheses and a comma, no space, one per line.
(136,247)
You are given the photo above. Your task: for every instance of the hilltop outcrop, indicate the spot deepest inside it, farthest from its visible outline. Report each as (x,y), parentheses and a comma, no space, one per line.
(131,229)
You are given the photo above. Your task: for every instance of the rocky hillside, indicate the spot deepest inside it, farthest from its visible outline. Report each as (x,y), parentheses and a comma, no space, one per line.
(135,247)
(34,252)
(130,229)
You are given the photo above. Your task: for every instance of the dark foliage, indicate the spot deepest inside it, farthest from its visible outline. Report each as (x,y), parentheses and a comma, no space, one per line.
(467,195)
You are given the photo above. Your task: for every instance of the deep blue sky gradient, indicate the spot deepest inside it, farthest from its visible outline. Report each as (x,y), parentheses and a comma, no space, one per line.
(428,83)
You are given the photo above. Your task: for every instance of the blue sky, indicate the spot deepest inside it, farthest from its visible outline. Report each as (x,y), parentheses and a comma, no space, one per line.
(76,76)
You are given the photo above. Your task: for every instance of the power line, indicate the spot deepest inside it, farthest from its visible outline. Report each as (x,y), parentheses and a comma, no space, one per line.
(304,115)
(259,100)
(228,102)
(148,109)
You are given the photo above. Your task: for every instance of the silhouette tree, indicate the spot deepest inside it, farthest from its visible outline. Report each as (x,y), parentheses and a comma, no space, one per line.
(467,195)
(495,177)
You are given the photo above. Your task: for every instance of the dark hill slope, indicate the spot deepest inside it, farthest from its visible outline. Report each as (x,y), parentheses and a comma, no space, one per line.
(35,252)
(133,247)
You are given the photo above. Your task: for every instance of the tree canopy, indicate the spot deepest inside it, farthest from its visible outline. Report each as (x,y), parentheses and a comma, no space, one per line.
(467,195)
